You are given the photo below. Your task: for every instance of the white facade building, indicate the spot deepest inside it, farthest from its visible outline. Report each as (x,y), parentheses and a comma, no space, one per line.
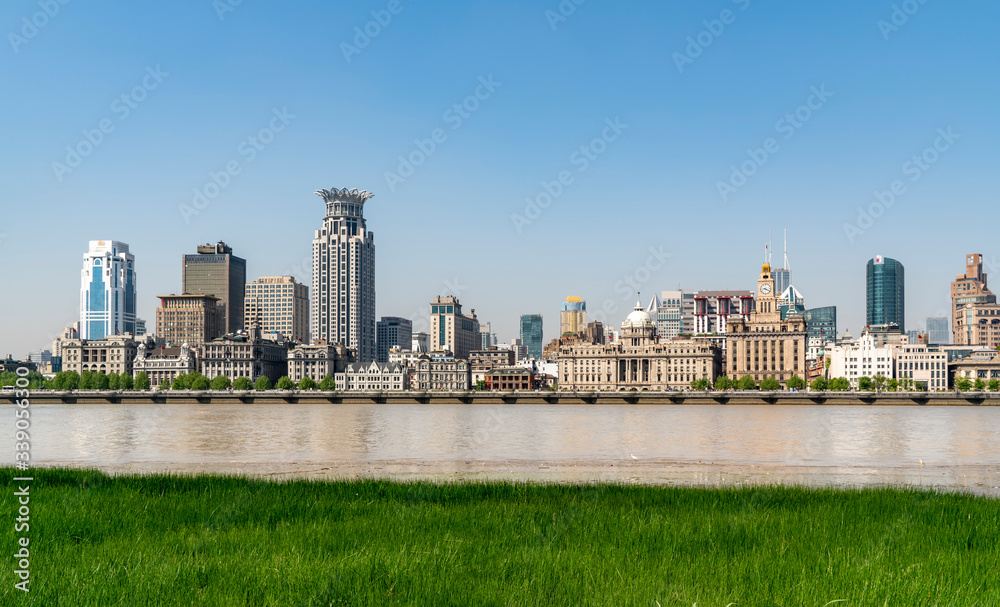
(923,366)
(343,284)
(107,290)
(861,359)
(373,377)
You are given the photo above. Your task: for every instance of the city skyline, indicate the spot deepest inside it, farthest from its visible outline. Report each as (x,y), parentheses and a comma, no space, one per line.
(233,151)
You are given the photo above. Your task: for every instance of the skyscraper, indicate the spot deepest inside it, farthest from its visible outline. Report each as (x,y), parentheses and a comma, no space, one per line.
(885,294)
(278,304)
(343,284)
(214,270)
(821,323)
(391,332)
(572,316)
(971,300)
(451,330)
(939,330)
(107,290)
(531,334)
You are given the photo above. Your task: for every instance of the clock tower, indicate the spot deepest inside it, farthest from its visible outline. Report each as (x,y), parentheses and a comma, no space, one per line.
(766,300)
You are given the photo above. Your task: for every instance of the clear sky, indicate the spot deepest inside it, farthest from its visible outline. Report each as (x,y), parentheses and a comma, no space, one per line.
(294,97)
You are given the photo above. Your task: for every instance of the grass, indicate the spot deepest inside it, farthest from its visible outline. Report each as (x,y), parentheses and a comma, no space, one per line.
(217,540)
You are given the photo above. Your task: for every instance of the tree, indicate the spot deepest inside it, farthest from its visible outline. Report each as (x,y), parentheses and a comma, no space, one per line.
(165,385)
(285,383)
(700,384)
(328,383)
(142,381)
(963,384)
(796,382)
(114,381)
(181,382)
(819,384)
(481,384)
(220,382)
(864,383)
(723,383)
(241,383)
(198,382)
(994,385)
(308,383)
(979,385)
(769,383)
(262,383)
(878,382)
(892,384)
(126,382)
(8,378)
(746,383)
(86,381)
(101,381)
(839,384)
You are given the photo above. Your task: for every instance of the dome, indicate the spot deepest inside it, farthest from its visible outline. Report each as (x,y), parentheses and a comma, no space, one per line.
(638,317)
(574,299)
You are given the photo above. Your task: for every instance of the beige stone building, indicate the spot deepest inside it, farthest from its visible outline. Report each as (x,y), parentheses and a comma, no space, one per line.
(975,315)
(981,364)
(109,355)
(373,377)
(278,304)
(451,330)
(638,361)
(431,374)
(190,319)
(244,355)
(164,364)
(766,345)
(316,361)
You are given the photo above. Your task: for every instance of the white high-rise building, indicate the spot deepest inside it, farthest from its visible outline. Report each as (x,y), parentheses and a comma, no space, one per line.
(343,283)
(107,290)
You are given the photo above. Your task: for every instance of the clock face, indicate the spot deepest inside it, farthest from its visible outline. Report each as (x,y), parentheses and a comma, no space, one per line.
(765,289)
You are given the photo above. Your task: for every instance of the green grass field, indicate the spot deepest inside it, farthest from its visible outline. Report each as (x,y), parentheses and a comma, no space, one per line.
(213,540)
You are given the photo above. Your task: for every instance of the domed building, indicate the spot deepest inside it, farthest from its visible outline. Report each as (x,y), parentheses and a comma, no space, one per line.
(638,360)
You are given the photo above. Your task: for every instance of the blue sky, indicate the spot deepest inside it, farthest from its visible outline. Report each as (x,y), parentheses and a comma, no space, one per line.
(201,81)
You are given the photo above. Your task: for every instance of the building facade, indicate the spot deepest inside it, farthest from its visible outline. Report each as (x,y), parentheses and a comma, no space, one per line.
(245,355)
(572,316)
(714,310)
(392,332)
(864,358)
(189,319)
(317,360)
(675,316)
(441,374)
(343,282)
(821,323)
(373,377)
(278,304)
(766,345)
(885,293)
(510,378)
(982,364)
(451,330)
(107,290)
(164,364)
(638,360)
(108,355)
(939,330)
(531,334)
(214,270)
(927,367)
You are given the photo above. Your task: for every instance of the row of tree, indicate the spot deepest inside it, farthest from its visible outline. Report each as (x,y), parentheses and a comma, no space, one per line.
(93,380)
(878,383)
(197,381)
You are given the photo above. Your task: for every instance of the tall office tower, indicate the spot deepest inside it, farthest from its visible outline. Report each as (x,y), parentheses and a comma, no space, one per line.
(343,283)
(821,323)
(970,295)
(189,319)
(215,271)
(783,275)
(531,334)
(392,332)
(885,294)
(450,329)
(487,338)
(572,316)
(421,342)
(939,330)
(278,304)
(107,290)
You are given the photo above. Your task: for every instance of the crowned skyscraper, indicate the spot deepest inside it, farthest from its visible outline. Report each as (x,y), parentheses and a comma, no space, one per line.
(343,280)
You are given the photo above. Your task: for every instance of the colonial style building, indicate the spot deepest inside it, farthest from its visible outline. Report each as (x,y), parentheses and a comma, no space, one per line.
(190,319)
(510,378)
(373,377)
(244,355)
(109,355)
(318,360)
(765,345)
(164,364)
(483,361)
(431,374)
(637,360)
(926,366)
(982,364)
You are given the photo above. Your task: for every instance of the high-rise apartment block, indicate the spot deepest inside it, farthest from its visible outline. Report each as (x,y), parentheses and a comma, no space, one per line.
(391,332)
(278,304)
(975,313)
(572,316)
(189,319)
(343,282)
(451,330)
(531,334)
(214,270)
(885,293)
(107,290)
